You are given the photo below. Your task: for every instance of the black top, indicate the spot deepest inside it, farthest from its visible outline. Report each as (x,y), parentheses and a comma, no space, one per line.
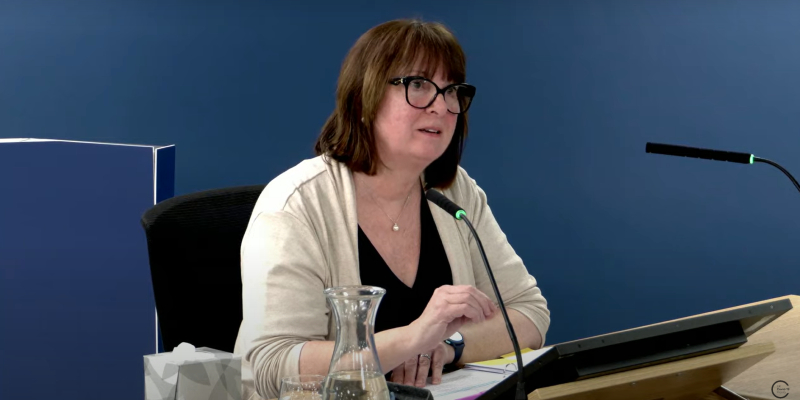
(401,304)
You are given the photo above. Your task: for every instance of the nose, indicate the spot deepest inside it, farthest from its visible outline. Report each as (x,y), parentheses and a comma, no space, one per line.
(439,106)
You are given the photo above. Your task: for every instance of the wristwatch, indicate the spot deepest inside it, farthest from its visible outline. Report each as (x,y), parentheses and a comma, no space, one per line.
(457,341)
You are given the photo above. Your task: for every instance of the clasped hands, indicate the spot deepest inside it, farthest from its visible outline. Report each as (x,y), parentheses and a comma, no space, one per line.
(448,310)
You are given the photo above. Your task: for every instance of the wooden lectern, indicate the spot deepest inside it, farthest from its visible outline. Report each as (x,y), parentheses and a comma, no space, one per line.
(766,367)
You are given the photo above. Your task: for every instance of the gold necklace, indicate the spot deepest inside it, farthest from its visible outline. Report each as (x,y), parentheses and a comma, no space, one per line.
(395,227)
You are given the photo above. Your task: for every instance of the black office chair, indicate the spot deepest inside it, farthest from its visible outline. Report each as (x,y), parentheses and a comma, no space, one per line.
(193,242)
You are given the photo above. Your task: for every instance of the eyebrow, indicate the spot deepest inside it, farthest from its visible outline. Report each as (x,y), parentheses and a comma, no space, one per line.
(427,76)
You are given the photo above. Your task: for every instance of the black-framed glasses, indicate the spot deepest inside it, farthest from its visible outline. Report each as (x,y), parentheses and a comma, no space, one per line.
(422,92)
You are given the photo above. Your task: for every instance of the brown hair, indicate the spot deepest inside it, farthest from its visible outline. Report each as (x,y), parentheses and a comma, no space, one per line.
(377,56)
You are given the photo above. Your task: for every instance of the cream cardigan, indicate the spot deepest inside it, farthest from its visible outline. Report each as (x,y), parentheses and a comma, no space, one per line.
(302,238)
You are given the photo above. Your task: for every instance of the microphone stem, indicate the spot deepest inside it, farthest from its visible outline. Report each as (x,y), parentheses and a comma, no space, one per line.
(774,164)
(520,392)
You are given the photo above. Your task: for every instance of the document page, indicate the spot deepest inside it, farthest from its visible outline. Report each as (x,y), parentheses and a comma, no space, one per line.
(464,383)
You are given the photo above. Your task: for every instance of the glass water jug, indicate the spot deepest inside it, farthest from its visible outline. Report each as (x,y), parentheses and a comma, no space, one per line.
(355,371)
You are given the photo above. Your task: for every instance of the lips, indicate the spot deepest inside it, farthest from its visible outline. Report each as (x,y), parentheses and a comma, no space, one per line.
(430,129)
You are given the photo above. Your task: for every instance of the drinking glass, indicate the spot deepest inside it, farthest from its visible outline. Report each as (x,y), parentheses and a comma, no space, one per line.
(302,387)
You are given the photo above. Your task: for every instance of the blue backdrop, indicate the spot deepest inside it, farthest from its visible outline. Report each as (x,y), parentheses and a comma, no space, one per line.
(568,94)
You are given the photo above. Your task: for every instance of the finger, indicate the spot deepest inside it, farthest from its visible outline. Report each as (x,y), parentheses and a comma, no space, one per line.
(398,374)
(423,366)
(410,371)
(464,304)
(483,300)
(437,364)
(466,310)
(472,296)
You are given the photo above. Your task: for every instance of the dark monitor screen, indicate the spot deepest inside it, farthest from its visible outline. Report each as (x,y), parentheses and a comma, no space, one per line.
(640,347)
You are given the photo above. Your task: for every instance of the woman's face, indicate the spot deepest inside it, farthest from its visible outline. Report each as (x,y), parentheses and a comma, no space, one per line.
(409,137)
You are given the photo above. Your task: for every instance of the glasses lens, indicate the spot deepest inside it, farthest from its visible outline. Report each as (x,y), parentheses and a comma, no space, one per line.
(420,92)
(458,98)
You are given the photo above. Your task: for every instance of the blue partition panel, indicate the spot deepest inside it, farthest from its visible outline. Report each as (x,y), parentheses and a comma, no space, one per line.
(76,304)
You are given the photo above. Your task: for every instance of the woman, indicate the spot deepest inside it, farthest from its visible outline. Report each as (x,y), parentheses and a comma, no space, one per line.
(357,214)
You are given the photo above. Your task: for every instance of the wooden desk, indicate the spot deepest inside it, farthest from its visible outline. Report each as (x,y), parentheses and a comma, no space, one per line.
(691,378)
(784,364)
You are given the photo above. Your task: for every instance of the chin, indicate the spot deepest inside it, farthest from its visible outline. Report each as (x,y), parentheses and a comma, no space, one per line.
(428,158)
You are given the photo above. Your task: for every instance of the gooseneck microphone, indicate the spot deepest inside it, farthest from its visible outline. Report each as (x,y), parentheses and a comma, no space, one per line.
(718,155)
(458,213)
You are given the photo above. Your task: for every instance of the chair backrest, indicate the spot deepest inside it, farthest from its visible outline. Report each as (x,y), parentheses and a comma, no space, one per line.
(193,243)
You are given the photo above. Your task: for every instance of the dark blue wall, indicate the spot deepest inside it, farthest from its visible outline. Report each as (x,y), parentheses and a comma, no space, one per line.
(568,94)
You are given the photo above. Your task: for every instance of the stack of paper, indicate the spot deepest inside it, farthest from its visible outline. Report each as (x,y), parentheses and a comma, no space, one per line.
(464,384)
(507,362)
(478,377)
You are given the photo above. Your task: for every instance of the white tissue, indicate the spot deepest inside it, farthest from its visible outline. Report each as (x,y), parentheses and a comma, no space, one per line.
(184,348)
(187,352)
(180,355)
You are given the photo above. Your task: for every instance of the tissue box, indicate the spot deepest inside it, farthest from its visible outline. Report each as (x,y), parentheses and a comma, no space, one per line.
(187,373)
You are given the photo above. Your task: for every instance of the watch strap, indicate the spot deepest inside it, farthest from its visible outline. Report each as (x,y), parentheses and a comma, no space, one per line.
(458,347)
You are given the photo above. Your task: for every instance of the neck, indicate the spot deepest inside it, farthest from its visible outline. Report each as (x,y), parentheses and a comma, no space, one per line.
(391,185)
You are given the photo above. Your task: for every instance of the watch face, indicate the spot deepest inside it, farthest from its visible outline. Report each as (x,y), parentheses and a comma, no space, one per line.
(457,337)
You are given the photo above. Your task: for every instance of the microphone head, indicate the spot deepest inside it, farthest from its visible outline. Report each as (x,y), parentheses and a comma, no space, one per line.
(696,152)
(445,204)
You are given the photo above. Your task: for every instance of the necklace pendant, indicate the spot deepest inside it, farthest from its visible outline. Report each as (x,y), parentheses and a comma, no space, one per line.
(395,227)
